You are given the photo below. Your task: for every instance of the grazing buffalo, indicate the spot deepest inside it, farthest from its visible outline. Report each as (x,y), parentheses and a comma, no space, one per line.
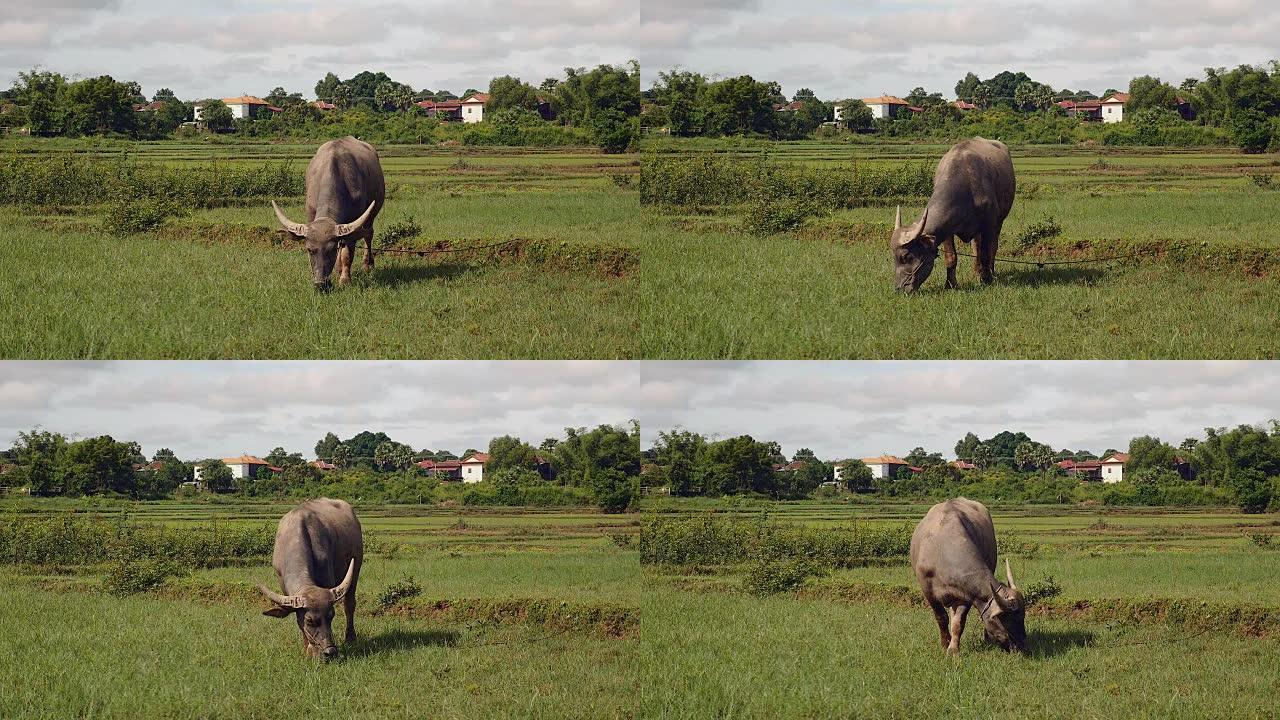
(972,195)
(953,554)
(345,192)
(314,543)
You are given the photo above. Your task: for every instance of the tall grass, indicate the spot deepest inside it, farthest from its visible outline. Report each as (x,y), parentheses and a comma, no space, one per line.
(85,180)
(718,180)
(713,540)
(70,540)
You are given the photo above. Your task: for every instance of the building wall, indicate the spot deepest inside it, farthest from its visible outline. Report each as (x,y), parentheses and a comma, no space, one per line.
(879,471)
(879,112)
(473,113)
(473,472)
(1112,473)
(1113,113)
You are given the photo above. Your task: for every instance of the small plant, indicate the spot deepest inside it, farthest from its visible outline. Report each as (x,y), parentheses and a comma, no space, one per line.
(397,592)
(769,576)
(1262,540)
(623,180)
(398,232)
(1038,232)
(1262,180)
(133,216)
(769,215)
(1099,524)
(132,575)
(625,541)
(1045,589)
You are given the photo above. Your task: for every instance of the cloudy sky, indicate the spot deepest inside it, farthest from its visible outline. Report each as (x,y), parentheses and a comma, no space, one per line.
(857,49)
(219,409)
(862,409)
(201,48)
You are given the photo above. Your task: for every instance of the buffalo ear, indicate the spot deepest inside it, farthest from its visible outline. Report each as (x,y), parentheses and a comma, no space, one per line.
(278,611)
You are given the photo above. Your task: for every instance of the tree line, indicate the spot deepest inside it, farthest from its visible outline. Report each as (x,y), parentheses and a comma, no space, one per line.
(603,462)
(1242,103)
(603,103)
(1228,465)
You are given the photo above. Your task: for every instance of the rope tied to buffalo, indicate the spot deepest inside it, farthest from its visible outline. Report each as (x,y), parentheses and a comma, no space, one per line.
(1041,264)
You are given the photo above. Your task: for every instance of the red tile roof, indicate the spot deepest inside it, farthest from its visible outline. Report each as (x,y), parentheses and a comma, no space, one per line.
(885,100)
(244,460)
(884,460)
(476,457)
(962,105)
(1117,97)
(477,97)
(1117,458)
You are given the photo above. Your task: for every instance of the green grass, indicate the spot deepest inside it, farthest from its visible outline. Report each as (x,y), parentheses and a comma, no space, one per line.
(825,291)
(199,647)
(218,283)
(846,645)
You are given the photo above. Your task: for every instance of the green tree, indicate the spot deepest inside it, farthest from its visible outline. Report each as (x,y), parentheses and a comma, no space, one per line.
(216,115)
(326,445)
(100,105)
(1148,453)
(1149,93)
(509,92)
(216,476)
(919,457)
(966,447)
(984,456)
(966,88)
(327,86)
(855,115)
(39,455)
(341,455)
(509,452)
(856,475)
(99,464)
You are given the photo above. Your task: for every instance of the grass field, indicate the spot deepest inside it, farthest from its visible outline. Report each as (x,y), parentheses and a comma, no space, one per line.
(1208,285)
(1163,613)
(219,283)
(522,614)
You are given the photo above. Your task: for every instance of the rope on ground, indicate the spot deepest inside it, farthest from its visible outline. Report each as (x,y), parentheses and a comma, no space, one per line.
(1137,253)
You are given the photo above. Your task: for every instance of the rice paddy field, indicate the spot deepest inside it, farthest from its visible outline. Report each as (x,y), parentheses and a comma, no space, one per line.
(1205,282)
(520,613)
(1161,613)
(220,282)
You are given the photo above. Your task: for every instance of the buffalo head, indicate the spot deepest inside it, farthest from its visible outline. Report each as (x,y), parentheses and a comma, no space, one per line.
(913,253)
(313,608)
(322,237)
(1004,617)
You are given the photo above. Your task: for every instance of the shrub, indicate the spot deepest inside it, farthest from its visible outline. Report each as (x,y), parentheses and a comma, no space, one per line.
(130,217)
(1040,590)
(710,540)
(1038,232)
(770,576)
(129,576)
(85,541)
(397,592)
(399,231)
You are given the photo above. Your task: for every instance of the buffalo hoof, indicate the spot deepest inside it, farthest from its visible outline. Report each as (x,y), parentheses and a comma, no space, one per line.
(323,287)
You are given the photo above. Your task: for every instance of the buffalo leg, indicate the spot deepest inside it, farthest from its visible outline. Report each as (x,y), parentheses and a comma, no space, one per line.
(344,263)
(368,248)
(958,615)
(940,614)
(949,255)
(349,607)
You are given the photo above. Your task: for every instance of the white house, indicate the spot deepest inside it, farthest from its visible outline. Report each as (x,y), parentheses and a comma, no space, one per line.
(885,106)
(473,467)
(245,106)
(244,466)
(473,110)
(1113,467)
(885,466)
(1113,108)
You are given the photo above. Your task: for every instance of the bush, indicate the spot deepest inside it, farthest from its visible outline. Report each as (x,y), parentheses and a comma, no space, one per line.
(769,576)
(397,592)
(129,217)
(541,495)
(708,180)
(84,541)
(129,576)
(84,180)
(710,540)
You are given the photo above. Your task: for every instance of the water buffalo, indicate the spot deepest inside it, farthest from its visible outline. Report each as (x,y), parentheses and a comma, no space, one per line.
(953,554)
(972,195)
(314,542)
(345,192)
